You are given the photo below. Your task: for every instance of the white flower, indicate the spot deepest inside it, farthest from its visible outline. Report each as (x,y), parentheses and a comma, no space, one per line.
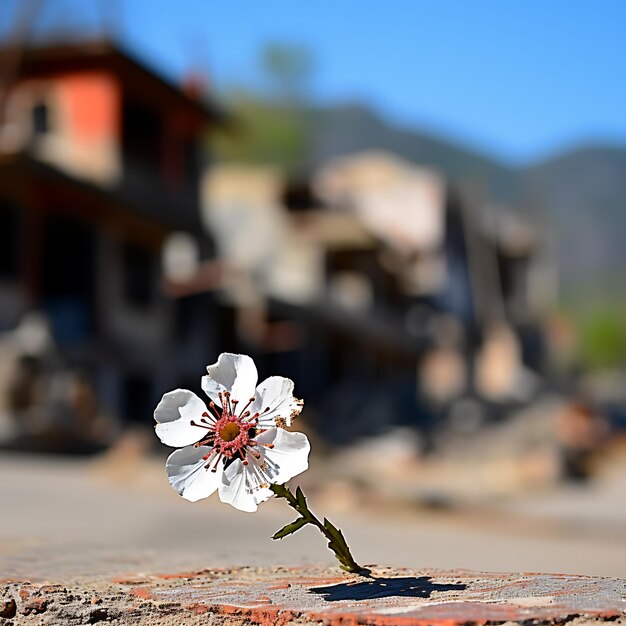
(238,445)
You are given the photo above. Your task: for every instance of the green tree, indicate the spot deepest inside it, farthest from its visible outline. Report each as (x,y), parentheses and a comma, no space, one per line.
(286,69)
(603,338)
(269,125)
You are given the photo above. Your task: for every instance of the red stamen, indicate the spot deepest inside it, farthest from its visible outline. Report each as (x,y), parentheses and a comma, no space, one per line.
(208,416)
(214,409)
(245,407)
(253,418)
(220,395)
(230,408)
(217,460)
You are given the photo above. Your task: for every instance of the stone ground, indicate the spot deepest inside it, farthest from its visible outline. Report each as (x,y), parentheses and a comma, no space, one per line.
(290,596)
(114,537)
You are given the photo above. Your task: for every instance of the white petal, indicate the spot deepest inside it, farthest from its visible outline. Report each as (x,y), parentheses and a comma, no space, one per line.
(239,488)
(276,393)
(187,474)
(174,414)
(289,456)
(232,372)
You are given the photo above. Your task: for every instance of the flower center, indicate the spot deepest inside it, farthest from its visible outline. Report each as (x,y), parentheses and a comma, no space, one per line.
(230,431)
(228,434)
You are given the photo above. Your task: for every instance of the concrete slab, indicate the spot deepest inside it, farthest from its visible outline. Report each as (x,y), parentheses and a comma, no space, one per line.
(316,595)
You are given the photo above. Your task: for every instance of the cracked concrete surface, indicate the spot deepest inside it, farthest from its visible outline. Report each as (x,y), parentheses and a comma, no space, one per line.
(280,595)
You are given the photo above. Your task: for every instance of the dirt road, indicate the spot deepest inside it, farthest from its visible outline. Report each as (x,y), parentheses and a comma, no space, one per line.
(64,517)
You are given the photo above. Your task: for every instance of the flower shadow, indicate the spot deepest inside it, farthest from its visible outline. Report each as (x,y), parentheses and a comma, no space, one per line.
(408,586)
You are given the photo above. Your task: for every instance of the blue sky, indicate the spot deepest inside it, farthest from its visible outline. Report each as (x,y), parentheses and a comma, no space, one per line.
(518,79)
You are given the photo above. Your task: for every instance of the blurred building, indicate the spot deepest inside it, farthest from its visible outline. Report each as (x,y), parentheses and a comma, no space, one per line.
(385,295)
(99,174)
(388,297)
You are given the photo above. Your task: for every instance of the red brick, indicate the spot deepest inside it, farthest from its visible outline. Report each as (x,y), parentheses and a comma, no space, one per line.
(321,596)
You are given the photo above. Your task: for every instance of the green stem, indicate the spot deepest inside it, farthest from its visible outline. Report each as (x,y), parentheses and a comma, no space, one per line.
(336,540)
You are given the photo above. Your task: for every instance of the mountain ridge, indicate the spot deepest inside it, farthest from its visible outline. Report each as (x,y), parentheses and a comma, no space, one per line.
(580,191)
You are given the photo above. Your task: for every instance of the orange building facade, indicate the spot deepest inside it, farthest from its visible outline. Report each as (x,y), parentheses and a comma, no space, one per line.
(99,167)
